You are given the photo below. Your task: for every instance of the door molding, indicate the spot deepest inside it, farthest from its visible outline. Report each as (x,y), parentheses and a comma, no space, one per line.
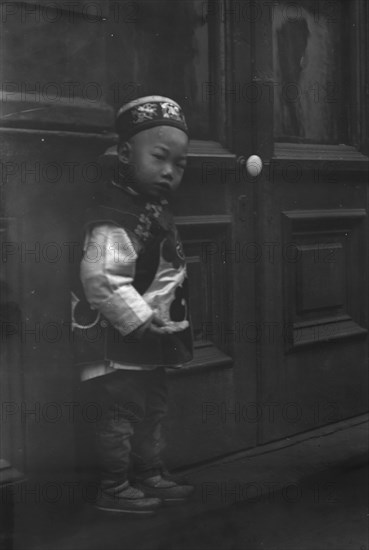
(323,286)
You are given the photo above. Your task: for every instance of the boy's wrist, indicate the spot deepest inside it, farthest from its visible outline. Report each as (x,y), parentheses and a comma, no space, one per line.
(140,330)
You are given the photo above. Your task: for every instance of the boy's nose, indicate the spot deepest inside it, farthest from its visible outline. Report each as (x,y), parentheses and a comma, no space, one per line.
(168,171)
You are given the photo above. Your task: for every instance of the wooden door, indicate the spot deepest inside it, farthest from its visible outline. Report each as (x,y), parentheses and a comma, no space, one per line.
(312,214)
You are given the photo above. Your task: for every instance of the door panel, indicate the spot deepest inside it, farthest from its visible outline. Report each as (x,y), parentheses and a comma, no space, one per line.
(315,295)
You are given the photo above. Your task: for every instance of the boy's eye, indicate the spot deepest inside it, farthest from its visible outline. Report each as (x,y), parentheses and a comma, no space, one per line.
(182,165)
(158,156)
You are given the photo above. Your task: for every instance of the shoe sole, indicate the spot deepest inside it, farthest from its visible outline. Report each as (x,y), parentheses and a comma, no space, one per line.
(168,501)
(120,511)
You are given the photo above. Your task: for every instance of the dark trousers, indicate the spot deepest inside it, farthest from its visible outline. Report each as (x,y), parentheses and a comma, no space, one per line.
(128,435)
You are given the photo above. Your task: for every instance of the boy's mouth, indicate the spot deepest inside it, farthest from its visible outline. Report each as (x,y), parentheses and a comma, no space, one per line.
(163,188)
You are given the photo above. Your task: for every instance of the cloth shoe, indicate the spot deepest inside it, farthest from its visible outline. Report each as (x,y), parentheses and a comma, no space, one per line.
(128,500)
(166,487)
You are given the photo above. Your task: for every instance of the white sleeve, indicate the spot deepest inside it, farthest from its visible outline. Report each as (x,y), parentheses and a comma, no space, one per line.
(107,272)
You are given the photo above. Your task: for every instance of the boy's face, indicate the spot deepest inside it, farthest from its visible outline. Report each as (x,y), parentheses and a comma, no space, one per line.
(157,159)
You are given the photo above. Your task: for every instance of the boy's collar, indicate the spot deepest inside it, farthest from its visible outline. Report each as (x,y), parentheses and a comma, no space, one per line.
(126,188)
(134,193)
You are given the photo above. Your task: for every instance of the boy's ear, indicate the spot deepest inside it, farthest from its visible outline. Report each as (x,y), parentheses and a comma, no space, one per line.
(124,152)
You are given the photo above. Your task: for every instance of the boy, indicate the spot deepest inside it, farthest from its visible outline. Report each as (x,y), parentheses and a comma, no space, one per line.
(134,296)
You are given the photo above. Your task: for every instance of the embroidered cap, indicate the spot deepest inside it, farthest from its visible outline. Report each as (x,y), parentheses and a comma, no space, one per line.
(147,112)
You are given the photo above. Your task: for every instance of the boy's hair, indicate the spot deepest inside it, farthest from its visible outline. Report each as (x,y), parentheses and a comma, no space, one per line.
(148,112)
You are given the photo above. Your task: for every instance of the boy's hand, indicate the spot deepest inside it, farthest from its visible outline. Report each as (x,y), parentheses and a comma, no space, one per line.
(158,327)
(153,327)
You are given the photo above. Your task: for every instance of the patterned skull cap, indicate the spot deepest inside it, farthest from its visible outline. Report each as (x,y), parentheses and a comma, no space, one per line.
(148,112)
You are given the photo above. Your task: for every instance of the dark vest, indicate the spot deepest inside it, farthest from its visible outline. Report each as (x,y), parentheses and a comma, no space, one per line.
(95,340)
